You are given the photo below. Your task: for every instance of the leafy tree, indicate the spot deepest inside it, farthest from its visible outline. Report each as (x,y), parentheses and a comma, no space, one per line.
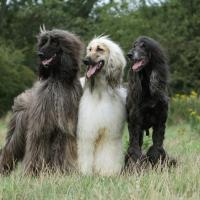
(174,23)
(14,76)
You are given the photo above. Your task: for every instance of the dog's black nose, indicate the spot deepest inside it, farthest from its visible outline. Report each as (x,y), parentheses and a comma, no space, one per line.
(87,60)
(40,54)
(129,55)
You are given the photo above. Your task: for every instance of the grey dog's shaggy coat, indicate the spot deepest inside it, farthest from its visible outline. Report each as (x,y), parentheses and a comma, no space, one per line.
(42,130)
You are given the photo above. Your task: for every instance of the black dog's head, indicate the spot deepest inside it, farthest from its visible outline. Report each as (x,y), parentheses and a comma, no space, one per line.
(59,53)
(145,52)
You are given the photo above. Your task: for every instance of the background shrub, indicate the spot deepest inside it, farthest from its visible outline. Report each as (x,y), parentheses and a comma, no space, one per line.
(14,76)
(185,108)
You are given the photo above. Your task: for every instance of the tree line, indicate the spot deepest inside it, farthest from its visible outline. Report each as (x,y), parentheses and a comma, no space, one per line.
(174,23)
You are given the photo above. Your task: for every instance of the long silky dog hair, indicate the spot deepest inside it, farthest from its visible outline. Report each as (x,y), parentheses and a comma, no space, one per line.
(42,129)
(147,100)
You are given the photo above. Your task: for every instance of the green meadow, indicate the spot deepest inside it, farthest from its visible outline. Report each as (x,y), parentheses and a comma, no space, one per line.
(182,182)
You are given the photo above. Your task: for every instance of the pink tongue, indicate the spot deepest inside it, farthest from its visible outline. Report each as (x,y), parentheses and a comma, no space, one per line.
(137,65)
(91,71)
(45,62)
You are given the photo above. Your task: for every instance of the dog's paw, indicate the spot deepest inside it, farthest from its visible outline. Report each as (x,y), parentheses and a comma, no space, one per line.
(5,168)
(156,154)
(135,157)
(134,153)
(171,162)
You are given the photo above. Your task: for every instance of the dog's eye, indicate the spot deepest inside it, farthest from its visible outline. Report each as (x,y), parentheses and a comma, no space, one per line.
(90,49)
(100,49)
(54,42)
(142,44)
(43,41)
(134,45)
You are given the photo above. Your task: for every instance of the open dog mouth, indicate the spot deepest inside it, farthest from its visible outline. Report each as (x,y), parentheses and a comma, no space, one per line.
(48,61)
(138,64)
(93,69)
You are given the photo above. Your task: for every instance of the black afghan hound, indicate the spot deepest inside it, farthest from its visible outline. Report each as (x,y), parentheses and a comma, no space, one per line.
(147,100)
(42,130)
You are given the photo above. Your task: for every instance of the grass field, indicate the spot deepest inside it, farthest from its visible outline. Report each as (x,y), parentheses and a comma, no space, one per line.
(181,183)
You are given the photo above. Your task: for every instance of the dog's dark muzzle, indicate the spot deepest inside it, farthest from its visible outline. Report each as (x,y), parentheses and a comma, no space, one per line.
(136,54)
(88,61)
(130,55)
(41,55)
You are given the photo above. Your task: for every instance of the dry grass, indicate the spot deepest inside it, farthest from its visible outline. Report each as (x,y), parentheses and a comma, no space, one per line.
(181,183)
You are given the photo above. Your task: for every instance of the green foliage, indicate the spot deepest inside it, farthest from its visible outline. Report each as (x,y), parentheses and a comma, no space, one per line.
(174,23)
(22,19)
(15,77)
(185,108)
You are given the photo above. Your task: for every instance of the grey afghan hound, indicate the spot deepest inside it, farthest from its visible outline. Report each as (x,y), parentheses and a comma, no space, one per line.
(42,130)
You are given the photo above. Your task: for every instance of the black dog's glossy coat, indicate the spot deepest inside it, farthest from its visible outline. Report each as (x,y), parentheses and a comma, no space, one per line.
(147,100)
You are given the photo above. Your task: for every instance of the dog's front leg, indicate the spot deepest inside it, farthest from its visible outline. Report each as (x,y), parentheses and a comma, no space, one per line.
(37,154)
(38,144)
(135,141)
(86,155)
(156,152)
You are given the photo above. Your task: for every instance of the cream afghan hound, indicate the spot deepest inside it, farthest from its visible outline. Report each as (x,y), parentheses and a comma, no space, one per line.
(102,110)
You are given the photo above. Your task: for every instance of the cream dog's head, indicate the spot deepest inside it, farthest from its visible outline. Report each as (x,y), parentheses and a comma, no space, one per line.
(104,58)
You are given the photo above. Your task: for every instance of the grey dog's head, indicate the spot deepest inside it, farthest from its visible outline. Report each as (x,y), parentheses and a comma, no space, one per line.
(59,53)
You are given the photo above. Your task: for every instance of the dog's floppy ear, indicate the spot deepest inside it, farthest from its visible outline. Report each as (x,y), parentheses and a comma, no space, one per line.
(71,48)
(116,64)
(66,60)
(67,69)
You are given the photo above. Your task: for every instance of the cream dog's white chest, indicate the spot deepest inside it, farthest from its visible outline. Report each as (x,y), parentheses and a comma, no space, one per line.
(101,111)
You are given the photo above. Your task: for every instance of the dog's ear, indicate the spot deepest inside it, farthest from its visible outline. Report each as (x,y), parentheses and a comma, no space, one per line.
(115,66)
(71,48)
(42,29)
(66,60)
(68,69)
(158,84)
